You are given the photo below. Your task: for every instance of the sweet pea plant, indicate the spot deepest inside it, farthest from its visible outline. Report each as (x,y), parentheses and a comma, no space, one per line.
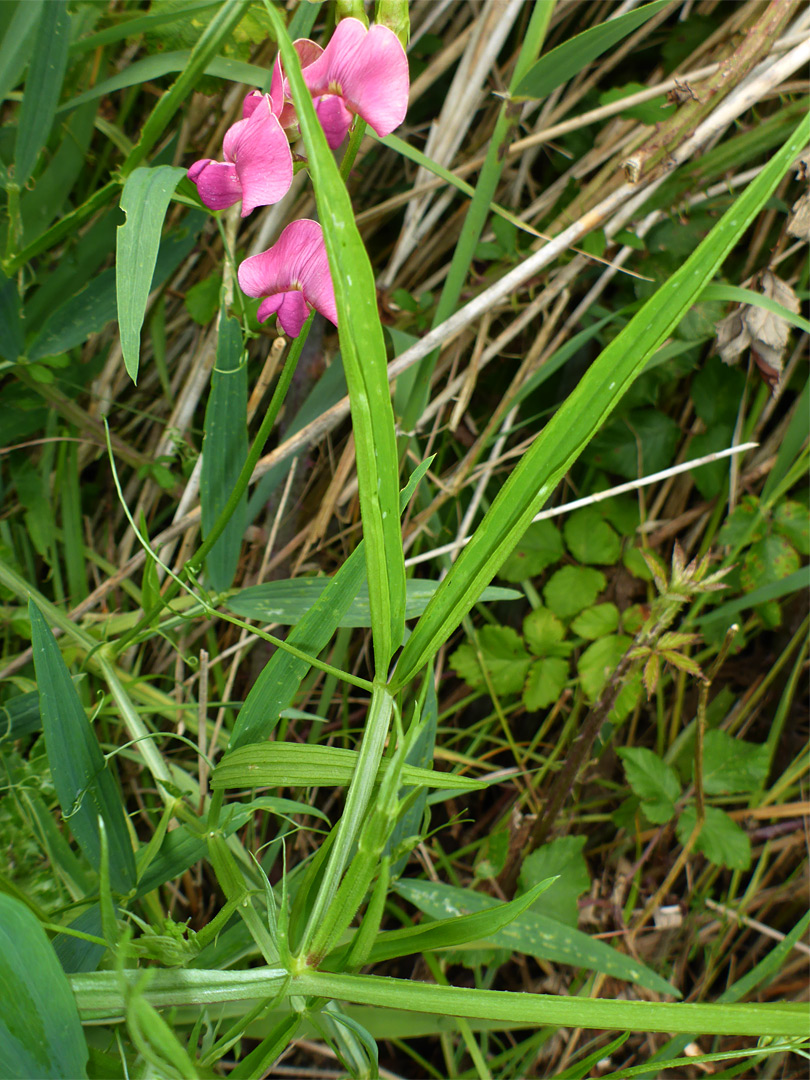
(294,942)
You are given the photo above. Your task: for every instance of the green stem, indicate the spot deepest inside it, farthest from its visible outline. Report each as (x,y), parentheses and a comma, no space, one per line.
(357,799)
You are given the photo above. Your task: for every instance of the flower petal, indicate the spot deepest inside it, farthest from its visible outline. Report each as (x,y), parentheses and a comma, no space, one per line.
(217,183)
(335,119)
(269,306)
(293,313)
(369,69)
(261,154)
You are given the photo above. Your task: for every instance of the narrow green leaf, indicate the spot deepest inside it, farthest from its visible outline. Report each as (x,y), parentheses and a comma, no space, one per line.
(568,59)
(42,88)
(145,199)
(84,785)
(584,411)
(280,764)
(225,448)
(11,327)
(719,291)
(727,612)
(287,602)
(281,676)
(18,42)
(532,933)
(364,360)
(40,1032)
(447,933)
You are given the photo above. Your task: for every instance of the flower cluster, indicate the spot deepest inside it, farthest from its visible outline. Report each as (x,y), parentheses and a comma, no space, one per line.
(361,72)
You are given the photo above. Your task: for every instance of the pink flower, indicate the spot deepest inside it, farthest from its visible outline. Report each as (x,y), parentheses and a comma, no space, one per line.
(293,277)
(360,71)
(258,163)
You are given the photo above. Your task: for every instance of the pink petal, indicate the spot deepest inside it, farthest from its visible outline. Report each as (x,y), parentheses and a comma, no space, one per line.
(217,183)
(368,69)
(335,119)
(269,306)
(293,313)
(259,149)
(297,261)
(250,103)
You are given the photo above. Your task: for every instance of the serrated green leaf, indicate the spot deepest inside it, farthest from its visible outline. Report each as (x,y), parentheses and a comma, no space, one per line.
(145,199)
(543,632)
(573,588)
(792,520)
(767,561)
(502,654)
(733,766)
(40,1032)
(563,859)
(545,682)
(599,661)
(589,538)
(292,765)
(595,622)
(653,780)
(540,546)
(721,839)
(84,785)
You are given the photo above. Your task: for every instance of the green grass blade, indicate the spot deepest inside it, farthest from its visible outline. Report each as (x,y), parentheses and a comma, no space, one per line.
(556,1010)
(447,933)
(364,361)
(225,449)
(42,88)
(18,42)
(145,199)
(719,291)
(568,59)
(287,602)
(533,934)
(281,764)
(579,418)
(40,1032)
(203,52)
(84,786)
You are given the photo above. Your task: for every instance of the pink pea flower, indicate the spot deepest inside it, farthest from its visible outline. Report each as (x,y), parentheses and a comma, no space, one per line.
(293,277)
(258,164)
(363,72)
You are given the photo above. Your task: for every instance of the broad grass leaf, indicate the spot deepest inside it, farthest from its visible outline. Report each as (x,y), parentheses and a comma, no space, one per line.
(42,87)
(281,764)
(590,539)
(40,1032)
(286,602)
(84,785)
(364,361)
(450,933)
(531,933)
(733,766)
(598,662)
(721,839)
(573,588)
(595,622)
(567,60)
(653,780)
(562,859)
(225,448)
(145,199)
